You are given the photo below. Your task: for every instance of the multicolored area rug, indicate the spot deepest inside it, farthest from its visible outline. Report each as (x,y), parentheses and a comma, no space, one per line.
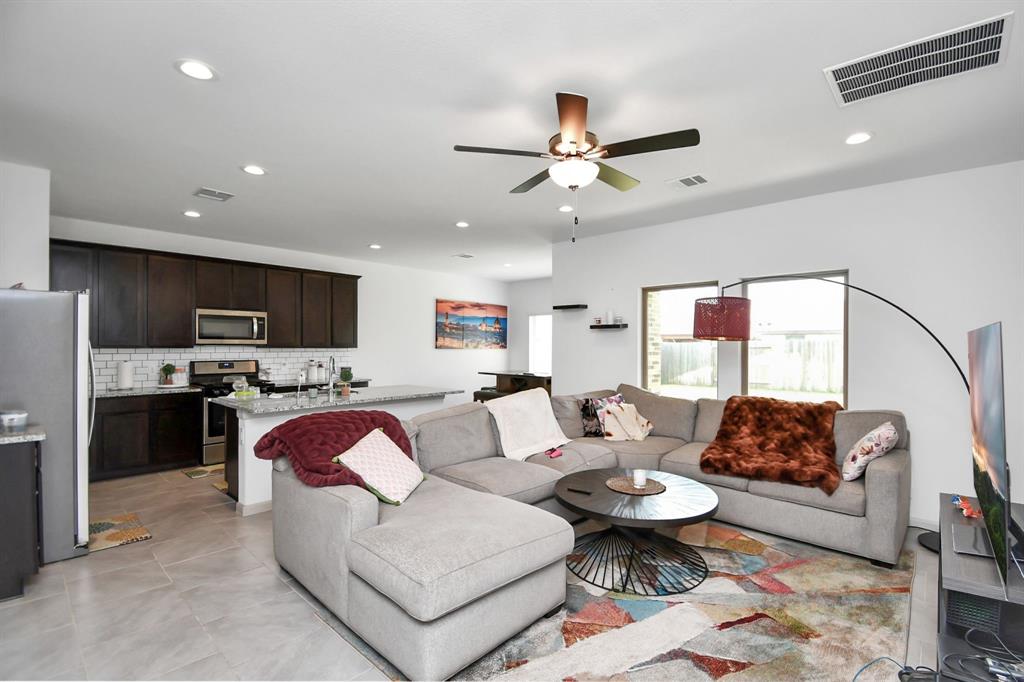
(115,531)
(770,609)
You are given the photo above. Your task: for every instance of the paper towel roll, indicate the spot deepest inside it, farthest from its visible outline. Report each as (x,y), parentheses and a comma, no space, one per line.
(125,375)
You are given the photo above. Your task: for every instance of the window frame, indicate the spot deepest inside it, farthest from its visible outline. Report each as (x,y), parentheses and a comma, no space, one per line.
(529,342)
(745,345)
(644,291)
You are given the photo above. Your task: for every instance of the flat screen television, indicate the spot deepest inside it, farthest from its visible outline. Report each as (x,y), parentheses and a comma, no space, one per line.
(988,442)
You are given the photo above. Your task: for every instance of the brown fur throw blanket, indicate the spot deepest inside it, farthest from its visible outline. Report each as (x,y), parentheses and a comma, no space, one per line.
(776,440)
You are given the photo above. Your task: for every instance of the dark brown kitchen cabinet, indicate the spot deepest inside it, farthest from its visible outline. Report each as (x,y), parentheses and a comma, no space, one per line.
(316,310)
(170,302)
(140,434)
(344,312)
(284,308)
(248,287)
(120,299)
(230,286)
(73,268)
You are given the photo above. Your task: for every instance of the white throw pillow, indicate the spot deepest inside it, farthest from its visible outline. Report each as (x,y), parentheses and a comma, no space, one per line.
(623,422)
(872,446)
(526,423)
(387,471)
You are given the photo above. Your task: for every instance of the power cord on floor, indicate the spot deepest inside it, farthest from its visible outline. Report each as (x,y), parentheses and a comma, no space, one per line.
(906,673)
(975,666)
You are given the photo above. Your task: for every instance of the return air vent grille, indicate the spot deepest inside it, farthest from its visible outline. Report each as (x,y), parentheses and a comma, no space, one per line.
(963,49)
(214,194)
(462,255)
(689,181)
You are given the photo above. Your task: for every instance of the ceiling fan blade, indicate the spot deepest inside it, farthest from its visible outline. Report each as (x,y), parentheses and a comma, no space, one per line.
(654,143)
(572,117)
(509,152)
(531,183)
(615,178)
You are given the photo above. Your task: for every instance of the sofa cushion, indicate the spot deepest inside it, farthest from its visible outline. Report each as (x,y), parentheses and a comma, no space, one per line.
(709,418)
(411,558)
(852,425)
(672,417)
(685,461)
(578,455)
(567,411)
(510,478)
(849,497)
(638,454)
(456,434)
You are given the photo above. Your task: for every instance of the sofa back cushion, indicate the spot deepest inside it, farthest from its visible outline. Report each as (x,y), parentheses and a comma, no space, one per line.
(567,411)
(672,417)
(852,425)
(453,435)
(709,418)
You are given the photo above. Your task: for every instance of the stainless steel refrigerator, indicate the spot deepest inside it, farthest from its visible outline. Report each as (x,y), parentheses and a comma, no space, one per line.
(46,369)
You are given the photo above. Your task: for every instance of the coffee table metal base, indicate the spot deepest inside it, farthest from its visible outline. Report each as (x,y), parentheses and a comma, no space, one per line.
(637,562)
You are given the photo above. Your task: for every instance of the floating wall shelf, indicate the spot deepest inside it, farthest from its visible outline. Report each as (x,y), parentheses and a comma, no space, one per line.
(570,306)
(608,326)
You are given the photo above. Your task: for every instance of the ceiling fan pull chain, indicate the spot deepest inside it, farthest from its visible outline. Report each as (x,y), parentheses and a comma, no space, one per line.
(575,211)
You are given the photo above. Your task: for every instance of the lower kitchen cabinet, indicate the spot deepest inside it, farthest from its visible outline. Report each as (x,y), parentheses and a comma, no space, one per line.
(140,434)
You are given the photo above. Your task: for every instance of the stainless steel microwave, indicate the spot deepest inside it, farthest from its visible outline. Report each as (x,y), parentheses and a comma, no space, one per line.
(238,327)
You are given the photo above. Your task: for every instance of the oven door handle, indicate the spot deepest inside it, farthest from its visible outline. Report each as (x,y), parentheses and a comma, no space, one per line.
(206,420)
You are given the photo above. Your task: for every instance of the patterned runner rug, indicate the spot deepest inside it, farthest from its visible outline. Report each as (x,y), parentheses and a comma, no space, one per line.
(203,472)
(115,531)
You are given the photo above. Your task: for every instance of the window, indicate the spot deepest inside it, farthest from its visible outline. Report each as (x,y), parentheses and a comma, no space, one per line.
(674,363)
(540,344)
(797,347)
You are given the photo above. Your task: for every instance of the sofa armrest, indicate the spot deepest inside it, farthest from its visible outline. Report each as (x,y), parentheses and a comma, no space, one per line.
(887,488)
(312,527)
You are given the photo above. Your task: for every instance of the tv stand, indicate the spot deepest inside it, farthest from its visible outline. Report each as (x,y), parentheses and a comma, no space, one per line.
(971,593)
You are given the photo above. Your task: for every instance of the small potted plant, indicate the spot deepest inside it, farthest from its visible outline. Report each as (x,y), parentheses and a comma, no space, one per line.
(344,385)
(166,372)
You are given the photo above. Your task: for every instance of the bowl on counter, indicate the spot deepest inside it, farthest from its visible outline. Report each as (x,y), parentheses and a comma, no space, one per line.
(13,420)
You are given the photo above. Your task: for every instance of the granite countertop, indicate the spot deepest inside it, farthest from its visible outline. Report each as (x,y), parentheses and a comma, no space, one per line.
(31,434)
(145,390)
(360,396)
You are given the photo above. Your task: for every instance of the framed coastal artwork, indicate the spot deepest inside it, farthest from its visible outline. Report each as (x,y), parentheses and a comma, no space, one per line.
(465,324)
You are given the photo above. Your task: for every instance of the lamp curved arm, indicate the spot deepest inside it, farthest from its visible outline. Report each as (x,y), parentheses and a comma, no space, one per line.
(873,295)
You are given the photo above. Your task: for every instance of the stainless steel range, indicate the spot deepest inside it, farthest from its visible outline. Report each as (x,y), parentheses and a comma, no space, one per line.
(215,378)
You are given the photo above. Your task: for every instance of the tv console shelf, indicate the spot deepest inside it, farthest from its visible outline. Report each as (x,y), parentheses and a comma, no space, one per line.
(971,593)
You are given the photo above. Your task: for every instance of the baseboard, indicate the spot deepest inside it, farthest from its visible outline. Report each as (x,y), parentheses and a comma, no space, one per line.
(924,523)
(255,508)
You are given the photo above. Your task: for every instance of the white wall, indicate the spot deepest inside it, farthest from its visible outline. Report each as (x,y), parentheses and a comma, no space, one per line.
(526,297)
(24,226)
(396,305)
(949,248)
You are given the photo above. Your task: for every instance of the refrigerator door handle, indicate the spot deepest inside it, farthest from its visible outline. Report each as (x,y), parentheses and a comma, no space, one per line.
(92,394)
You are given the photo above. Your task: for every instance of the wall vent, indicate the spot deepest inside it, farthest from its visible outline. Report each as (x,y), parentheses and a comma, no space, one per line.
(962,49)
(462,255)
(688,181)
(214,194)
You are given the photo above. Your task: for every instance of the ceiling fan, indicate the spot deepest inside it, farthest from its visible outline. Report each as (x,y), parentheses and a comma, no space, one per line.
(577,152)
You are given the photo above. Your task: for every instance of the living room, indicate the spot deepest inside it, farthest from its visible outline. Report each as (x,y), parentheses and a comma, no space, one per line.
(281,232)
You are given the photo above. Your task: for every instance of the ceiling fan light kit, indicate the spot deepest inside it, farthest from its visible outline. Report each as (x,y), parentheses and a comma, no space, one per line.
(573,173)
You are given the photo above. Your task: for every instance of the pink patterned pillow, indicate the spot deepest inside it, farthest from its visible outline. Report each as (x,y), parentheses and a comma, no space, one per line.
(872,446)
(387,471)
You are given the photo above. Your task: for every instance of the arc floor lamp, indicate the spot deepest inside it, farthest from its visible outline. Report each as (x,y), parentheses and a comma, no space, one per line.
(727,318)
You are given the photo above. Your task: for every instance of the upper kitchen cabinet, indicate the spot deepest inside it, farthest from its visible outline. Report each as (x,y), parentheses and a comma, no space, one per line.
(284,308)
(230,286)
(170,301)
(344,311)
(120,299)
(73,268)
(316,310)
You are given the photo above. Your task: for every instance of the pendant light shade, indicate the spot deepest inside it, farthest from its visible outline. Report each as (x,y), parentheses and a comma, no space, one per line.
(722,318)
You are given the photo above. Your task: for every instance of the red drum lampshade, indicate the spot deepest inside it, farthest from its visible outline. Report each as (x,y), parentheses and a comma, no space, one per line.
(723,318)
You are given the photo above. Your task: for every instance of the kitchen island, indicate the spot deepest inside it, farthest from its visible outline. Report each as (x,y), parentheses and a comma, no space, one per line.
(248,478)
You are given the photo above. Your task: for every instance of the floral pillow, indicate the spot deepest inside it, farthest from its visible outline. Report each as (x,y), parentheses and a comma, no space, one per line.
(387,471)
(872,446)
(592,411)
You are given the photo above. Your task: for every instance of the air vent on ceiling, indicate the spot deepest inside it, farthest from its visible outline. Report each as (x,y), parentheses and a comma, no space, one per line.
(689,181)
(215,194)
(462,255)
(962,49)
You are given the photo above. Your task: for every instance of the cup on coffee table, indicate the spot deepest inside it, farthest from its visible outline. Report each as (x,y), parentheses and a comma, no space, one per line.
(639,478)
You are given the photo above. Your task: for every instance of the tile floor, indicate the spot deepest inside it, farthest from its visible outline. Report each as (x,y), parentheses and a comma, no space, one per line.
(205,600)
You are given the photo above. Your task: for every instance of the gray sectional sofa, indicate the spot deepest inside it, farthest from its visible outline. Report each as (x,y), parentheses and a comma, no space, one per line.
(422,582)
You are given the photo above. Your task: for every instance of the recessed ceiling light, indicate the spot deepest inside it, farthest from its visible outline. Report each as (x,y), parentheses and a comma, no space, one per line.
(462,223)
(254,170)
(508,265)
(191,214)
(375,246)
(565,209)
(195,69)
(858,138)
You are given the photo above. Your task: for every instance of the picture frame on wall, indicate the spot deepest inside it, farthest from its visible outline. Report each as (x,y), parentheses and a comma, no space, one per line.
(463,325)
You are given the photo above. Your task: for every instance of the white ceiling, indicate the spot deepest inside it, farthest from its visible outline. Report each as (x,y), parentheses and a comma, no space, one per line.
(354,108)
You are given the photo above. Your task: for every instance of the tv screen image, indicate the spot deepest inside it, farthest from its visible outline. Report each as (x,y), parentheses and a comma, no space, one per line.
(988,436)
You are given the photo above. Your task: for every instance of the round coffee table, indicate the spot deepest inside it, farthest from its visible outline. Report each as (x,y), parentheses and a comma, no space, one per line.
(630,556)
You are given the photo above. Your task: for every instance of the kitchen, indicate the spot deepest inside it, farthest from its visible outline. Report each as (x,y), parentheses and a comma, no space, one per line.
(214,320)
